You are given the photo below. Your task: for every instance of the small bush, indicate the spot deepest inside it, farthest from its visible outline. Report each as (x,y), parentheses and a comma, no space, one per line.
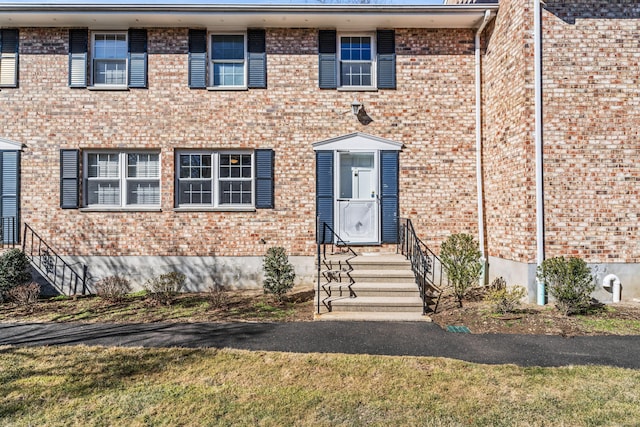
(569,282)
(25,294)
(113,288)
(502,299)
(461,259)
(163,288)
(278,273)
(217,295)
(14,270)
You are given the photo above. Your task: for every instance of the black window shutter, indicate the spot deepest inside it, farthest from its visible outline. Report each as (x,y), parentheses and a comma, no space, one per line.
(257,61)
(69,179)
(264,179)
(78,40)
(386,45)
(324,194)
(327,60)
(197,59)
(137,58)
(9,195)
(9,44)
(389,167)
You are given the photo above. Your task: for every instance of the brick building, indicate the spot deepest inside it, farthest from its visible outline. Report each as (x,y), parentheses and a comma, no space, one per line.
(142,138)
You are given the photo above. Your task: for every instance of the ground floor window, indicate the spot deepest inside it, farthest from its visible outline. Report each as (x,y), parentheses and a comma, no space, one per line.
(122,179)
(212,179)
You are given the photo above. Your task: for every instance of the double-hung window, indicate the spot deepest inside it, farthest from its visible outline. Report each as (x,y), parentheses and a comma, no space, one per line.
(110,52)
(357,69)
(9,58)
(215,179)
(228,64)
(108,59)
(122,179)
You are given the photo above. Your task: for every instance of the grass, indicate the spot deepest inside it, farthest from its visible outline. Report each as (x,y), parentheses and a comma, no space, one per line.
(133,386)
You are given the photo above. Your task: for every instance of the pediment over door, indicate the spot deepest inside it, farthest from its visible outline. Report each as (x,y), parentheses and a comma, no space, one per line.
(357,141)
(8,145)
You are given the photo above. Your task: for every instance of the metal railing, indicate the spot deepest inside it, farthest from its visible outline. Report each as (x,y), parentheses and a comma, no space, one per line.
(427,267)
(56,270)
(332,270)
(9,232)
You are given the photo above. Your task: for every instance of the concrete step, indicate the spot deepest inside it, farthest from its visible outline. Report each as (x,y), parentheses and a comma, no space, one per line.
(386,276)
(376,304)
(377,262)
(380,289)
(367,316)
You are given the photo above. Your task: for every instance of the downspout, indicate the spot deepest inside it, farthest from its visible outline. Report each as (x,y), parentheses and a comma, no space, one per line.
(537,58)
(481,242)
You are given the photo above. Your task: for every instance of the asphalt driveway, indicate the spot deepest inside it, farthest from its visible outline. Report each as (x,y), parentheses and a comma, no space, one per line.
(379,338)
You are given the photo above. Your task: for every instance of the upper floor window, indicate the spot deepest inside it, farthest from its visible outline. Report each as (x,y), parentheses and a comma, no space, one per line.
(8,58)
(227,61)
(228,66)
(122,179)
(116,59)
(110,53)
(356,61)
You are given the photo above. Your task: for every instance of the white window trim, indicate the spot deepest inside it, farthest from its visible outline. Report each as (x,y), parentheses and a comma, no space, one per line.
(100,86)
(210,62)
(215,184)
(122,179)
(374,79)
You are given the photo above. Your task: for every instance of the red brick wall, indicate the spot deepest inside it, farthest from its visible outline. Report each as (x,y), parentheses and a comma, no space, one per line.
(591,120)
(431,113)
(508,126)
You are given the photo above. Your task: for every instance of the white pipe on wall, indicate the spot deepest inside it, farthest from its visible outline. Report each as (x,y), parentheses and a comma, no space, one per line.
(612,281)
(537,59)
(479,182)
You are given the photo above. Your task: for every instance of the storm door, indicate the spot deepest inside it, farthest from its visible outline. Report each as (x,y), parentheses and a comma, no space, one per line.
(358,203)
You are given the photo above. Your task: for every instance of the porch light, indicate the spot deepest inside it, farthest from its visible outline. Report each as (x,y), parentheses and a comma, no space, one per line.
(355,106)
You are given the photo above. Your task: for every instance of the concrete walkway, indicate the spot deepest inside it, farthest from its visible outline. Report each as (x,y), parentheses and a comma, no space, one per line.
(380,338)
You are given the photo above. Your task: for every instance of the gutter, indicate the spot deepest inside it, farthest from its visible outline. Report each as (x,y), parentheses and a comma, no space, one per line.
(537,58)
(479,181)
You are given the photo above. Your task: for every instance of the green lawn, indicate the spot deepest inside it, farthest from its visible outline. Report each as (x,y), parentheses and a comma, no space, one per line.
(134,386)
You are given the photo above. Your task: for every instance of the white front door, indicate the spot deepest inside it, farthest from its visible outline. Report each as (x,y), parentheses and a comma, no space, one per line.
(358,202)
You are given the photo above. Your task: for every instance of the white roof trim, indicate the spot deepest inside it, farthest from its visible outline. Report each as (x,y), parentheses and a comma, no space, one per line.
(357,141)
(122,14)
(8,145)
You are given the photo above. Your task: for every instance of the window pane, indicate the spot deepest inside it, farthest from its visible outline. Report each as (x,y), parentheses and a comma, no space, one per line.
(103,192)
(355,48)
(228,74)
(355,74)
(195,166)
(143,193)
(235,192)
(195,192)
(227,47)
(103,165)
(143,165)
(110,46)
(110,72)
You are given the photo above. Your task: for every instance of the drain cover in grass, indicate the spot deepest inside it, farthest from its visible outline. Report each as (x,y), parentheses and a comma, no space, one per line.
(459,329)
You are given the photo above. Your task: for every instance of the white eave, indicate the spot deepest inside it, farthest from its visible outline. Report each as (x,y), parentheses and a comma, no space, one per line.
(355,141)
(210,14)
(8,145)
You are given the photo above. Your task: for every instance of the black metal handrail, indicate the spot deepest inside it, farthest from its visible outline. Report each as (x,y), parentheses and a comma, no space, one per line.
(427,267)
(9,233)
(55,269)
(327,238)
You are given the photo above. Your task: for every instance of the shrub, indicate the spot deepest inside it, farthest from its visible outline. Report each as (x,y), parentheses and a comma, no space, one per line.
(502,299)
(569,282)
(278,273)
(25,294)
(461,259)
(217,296)
(163,288)
(14,270)
(113,288)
